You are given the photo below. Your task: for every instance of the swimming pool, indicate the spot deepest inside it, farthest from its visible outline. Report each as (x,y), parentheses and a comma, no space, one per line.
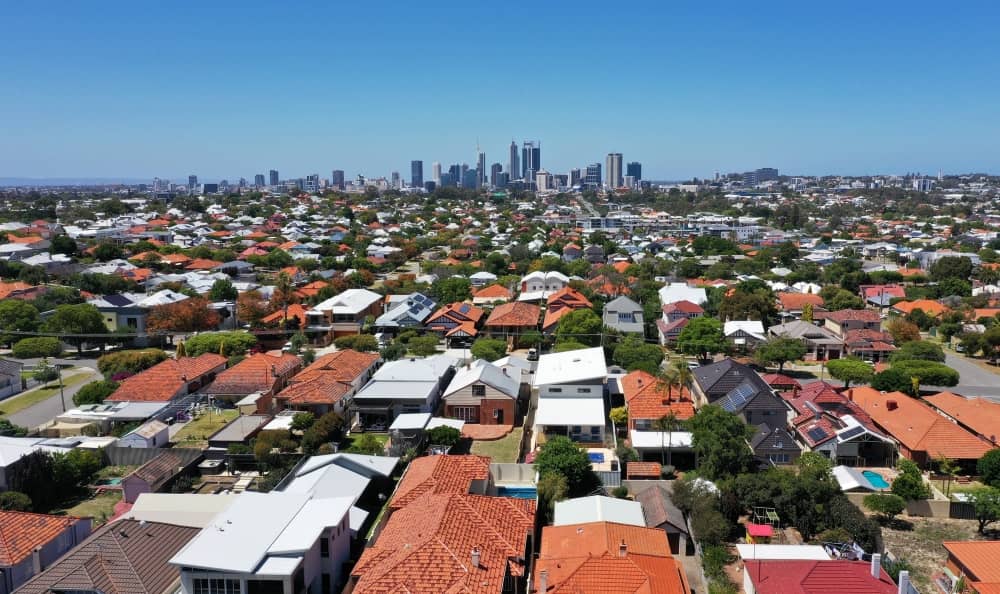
(518,492)
(875,479)
(109,482)
(596,457)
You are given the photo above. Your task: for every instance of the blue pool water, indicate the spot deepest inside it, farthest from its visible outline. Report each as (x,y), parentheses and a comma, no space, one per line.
(518,492)
(596,457)
(875,479)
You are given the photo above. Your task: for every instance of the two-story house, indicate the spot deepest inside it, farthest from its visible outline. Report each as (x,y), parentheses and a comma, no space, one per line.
(457,323)
(483,393)
(538,285)
(329,383)
(403,386)
(821,343)
(345,313)
(675,317)
(571,388)
(561,303)
(624,315)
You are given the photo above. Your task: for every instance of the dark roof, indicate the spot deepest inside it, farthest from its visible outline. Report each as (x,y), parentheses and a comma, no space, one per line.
(166,466)
(118,300)
(776,439)
(659,509)
(123,557)
(719,379)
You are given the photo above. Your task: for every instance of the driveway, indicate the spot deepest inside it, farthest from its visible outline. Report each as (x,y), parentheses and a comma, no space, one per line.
(48,409)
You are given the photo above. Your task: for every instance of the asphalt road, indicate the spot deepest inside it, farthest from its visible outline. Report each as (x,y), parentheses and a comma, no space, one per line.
(48,409)
(973,380)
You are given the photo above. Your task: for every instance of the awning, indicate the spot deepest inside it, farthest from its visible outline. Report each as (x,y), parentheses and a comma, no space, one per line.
(570,411)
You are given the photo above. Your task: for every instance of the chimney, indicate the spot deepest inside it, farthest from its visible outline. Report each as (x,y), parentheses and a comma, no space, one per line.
(904,582)
(891,405)
(876,566)
(622,549)
(543,580)
(476,557)
(36,560)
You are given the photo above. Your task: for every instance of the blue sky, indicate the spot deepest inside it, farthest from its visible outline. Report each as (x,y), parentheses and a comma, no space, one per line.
(230,89)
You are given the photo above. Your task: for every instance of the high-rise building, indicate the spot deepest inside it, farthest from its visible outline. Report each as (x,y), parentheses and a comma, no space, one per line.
(447,179)
(560,180)
(574,177)
(337,179)
(311,183)
(192,184)
(274,180)
(503,179)
(495,170)
(258,180)
(465,169)
(613,169)
(469,177)
(436,173)
(396,183)
(593,177)
(531,159)
(543,180)
(416,174)
(455,173)
(481,170)
(634,170)
(631,182)
(158,184)
(514,163)
(243,182)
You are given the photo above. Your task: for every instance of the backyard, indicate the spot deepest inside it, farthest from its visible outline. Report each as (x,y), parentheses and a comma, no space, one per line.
(505,449)
(921,545)
(100,507)
(196,432)
(36,395)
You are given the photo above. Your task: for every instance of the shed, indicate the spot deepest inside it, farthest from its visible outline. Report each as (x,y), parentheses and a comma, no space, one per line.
(660,512)
(153,434)
(239,430)
(158,473)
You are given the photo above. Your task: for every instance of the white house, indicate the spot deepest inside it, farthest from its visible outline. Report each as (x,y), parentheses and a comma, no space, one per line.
(154,434)
(538,285)
(403,386)
(673,292)
(571,388)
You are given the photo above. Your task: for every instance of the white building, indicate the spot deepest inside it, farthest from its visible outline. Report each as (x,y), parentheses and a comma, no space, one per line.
(571,395)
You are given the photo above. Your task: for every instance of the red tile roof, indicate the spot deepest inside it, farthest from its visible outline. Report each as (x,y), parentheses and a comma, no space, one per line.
(493,292)
(978,558)
(295,310)
(817,577)
(438,475)
(796,301)
(515,314)
(978,414)
(844,315)
(929,307)
(167,379)
(21,532)
(328,379)
(257,373)
(683,306)
(646,398)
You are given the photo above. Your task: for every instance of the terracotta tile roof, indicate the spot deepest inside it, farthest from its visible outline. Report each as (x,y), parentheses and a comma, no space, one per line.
(916,425)
(978,414)
(586,559)
(426,547)
(257,373)
(458,312)
(295,310)
(567,297)
(978,558)
(329,379)
(929,307)
(780,380)
(166,380)
(515,314)
(683,306)
(844,315)
(123,557)
(21,532)
(439,475)
(817,577)
(643,469)
(552,318)
(891,291)
(796,301)
(493,292)
(8,289)
(175,259)
(646,398)
(202,264)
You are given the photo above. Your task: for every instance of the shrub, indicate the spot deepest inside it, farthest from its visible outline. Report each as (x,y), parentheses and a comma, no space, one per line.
(621,492)
(989,468)
(444,435)
(225,343)
(886,505)
(909,483)
(95,392)
(423,346)
(358,342)
(38,346)
(129,361)
(303,421)
(14,501)
(489,349)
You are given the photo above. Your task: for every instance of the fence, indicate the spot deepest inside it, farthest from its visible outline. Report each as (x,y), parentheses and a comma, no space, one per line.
(505,473)
(927,508)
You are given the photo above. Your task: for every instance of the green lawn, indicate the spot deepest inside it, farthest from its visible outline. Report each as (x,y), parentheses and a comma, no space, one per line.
(504,449)
(347,442)
(197,432)
(100,508)
(36,395)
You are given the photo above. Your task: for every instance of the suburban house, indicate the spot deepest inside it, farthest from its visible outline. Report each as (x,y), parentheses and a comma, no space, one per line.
(923,435)
(127,312)
(31,543)
(597,508)
(660,512)
(840,322)
(483,393)
(791,305)
(345,313)
(457,323)
(624,315)
(329,383)
(675,317)
(744,334)
(482,278)
(932,308)
(649,400)
(259,373)
(538,285)
(510,320)
(980,416)
(491,295)
(827,422)
(571,388)
(774,446)
(880,296)
(10,378)
(715,380)
(411,312)
(976,561)
(584,557)
(561,303)
(869,345)
(402,386)
(170,379)
(784,576)
(674,292)
(441,517)
(131,552)
(821,342)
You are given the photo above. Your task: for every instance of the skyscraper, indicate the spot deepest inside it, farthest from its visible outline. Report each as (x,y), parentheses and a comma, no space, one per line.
(481,170)
(469,177)
(531,159)
(274,177)
(192,184)
(574,177)
(258,180)
(396,184)
(436,173)
(495,170)
(416,174)
(634,169)
(514,164)
(613,168)
(593,177)
(337,179)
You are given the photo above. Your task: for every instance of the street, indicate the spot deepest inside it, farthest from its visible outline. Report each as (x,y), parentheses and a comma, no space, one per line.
(48,409)
(974,380)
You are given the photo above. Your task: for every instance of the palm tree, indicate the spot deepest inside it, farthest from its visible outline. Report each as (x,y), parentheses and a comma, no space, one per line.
(666,425)
(667,378)
(683,374)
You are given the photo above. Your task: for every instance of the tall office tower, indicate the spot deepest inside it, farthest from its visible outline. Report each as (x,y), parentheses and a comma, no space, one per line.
(416,174)
(258,180)
(574,177)
(631,182)
(503,178)
(543,180)
(531,159)
(481,170)
(514,164)
(613,168)
(273,178)
(767,174)
(224,185)
(337,179)
(396,184)
(243,182)
(469,177)
(192,184)
(593,177)
(436,173)
(634,169)
(455,171)
(312,183)
(465,170)
(495,170)
(157,184)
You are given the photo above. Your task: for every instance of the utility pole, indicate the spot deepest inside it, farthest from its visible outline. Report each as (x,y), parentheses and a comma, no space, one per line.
(62,395)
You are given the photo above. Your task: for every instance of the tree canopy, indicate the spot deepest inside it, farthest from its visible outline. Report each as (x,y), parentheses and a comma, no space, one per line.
(702,337)
(189,315)
(634,353)
(719,439)
(780,350)
(850,370)
(560,456)
(489,349)
(580,325)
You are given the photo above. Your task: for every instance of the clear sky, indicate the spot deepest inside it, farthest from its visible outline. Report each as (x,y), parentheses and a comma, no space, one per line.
(230,89)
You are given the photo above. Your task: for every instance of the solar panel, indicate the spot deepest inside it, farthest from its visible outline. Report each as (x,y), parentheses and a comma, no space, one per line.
(851,433)
(817,433)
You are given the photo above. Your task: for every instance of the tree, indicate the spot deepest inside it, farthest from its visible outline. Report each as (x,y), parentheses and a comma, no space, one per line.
(227,344)
(107,251)
(489,349)
(959,267)
(251,307)
(918,350)
(702,337)
(44,372)
(986,502)
(223,290)
(886,505)
(842,299)
(38,346)
(16,316)
(132,361)
(423,346)
(82,318)
(666,425)
(909,483)
(367,444)
(850,370)
(63,244)
(189,315)
(302,421)
(580,325)
(949,468)
(552,488)
(749,301)
(719,439)
(929,373)
(444,435)
(451,289)
(95,392)
(365,343)
(892,380)
(634,353)
(14,501)
(561,456)
(902,330)
(568,345)
(988,468)
(780,350)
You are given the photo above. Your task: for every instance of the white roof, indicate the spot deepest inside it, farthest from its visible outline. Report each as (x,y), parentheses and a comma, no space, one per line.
(163,297)
(598,508)
(656,439)
(180,509)
(305,528)
(571,366)
(674,292)
(443,422)
(357,519)
(752,327)
(851,479)
(782,552)
(406,421)
(488,373)
(569,411)
(351,301)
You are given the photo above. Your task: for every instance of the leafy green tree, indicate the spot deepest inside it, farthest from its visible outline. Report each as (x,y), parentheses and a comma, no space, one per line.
(561,456)
(44,372)
(37,346)
(223,290)
(365,343)
(302,421)
(666,425)
(702,337)
(14,501)
(16,316)
(634,353)
(751,300)
(83,318)
(63,244)
(929,373)
(619,416)
(886,505)
(988,468)
(451,289)
(959,267)
(568,345)
(986,502)
(552,488)
(843,299)
(107,251)
(367,444)
(132,361)
(489,349)
(720,442)
(909,483)
(903,330)
(225,343)
(580,325)
(780,350)
(423,346)
(95,392)
(444,435)
(921,350)
(850,370)
(892,380)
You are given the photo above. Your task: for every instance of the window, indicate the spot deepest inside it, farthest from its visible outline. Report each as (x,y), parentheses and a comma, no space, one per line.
(216,586)
(778,458)
(132,322)
(478,390)
(324,546)
(595,430)
(643,424)
(555,390)
(583,390)
(626,316)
